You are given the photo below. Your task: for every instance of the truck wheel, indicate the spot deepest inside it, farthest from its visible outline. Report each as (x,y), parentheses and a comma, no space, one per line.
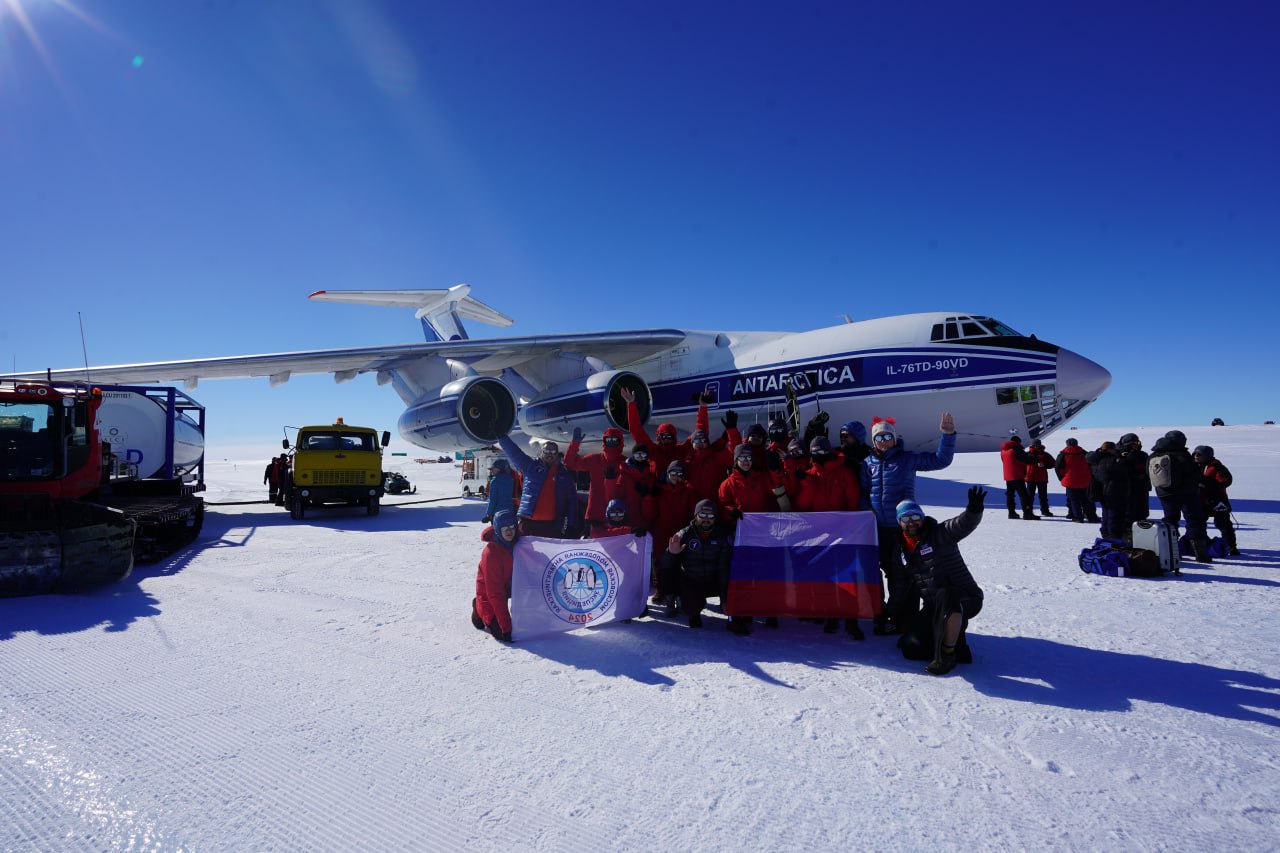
(373,505)
(297,510)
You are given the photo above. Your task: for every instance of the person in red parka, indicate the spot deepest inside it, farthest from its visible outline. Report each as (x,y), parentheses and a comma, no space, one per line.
(637,479)
(1037,476)
(829,486)
(1015,460)
(604,469)
(665,448)
(1074,473)
(708,463)
(1215,479)
(673,504)
(489,610)
(745,489)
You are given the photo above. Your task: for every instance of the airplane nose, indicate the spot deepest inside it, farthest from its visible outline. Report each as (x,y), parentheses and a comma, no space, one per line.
(1079,378)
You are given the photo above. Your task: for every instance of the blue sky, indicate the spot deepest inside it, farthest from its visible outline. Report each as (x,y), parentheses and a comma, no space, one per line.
(184,174)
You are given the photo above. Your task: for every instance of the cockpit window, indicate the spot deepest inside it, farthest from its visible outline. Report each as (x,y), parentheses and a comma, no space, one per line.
(958,328)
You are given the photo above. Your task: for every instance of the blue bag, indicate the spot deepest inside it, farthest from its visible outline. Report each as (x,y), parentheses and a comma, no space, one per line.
(1105,557)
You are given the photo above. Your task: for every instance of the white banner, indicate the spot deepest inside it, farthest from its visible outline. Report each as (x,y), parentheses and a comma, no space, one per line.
(558,585)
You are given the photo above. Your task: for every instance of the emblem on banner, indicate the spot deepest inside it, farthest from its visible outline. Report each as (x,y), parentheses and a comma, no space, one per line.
(580,586)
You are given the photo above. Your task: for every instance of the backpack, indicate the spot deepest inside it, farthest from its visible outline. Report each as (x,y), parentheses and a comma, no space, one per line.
(1160,470)
(1143,563)
(1104,557)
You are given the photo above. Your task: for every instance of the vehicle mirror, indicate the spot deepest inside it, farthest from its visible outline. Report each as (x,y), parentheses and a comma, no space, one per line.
(284,442)
(386,437)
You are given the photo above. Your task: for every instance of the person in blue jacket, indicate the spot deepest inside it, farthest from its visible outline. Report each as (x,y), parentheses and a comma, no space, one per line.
(888,478)
(502,489)
(549,498)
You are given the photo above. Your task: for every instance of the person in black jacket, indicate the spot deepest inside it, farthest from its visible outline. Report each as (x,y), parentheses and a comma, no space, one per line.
(1130,449)
(1112,475)
(1181,497)
(696,561)
(937,570)
(1215,479)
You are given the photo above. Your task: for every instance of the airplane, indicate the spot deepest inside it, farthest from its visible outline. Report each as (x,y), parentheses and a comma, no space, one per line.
(463,393)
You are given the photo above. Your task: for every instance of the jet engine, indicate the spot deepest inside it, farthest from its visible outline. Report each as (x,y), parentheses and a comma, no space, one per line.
(593,403)
(471,412)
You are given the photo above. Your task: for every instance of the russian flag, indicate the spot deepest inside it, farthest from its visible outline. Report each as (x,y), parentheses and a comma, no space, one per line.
(805,564)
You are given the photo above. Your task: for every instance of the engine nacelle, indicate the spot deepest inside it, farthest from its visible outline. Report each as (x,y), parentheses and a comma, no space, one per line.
(593,403)
(467,413)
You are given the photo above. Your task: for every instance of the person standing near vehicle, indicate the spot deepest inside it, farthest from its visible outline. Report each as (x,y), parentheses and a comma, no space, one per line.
(889,477)
(1014,460)
(549,498)
(1176,478)
(1215,479)
(501,488)
(1038,476)
(1075,475)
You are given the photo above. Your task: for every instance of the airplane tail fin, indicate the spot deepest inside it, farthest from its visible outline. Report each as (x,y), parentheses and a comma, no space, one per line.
(439,310)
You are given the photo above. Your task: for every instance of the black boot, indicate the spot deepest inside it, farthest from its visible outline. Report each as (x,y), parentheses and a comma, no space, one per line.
(695,620)
(771,621)
(475,618)
(1200,546)
(1028,515)
(944,662)
(853,630)
(740,625)
(1013,515)
(831,626)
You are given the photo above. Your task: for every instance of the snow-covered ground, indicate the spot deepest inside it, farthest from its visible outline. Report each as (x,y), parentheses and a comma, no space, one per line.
(317,685)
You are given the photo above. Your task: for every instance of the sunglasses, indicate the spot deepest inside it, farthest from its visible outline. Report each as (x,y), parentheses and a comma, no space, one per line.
(639,454)
(675,474)
(915,516)
(666,436)
(885,436)
(706,514)
(612,441)
(699,439)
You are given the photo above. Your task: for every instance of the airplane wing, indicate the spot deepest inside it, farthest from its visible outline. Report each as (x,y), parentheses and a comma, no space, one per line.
(484,355)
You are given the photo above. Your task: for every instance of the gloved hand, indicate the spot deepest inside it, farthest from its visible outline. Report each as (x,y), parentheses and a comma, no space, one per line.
(642,489)
(773,461)
(577,433)
(639,531)
(817,425)
(486,519)
(735,513)
(976,497)
(801,474)
(610,472)
(706,398)
(730,419)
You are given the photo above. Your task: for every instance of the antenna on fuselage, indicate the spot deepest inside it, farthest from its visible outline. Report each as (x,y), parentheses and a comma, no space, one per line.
(846,317)
(84,349)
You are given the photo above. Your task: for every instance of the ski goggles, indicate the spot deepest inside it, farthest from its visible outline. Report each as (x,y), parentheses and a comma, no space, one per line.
(885,436)
(639,454)
(666,436)
(911,516)
(675,475)
(706,513)
(612,441)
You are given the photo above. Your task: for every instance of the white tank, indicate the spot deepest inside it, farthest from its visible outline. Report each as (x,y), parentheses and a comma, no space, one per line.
(134,425)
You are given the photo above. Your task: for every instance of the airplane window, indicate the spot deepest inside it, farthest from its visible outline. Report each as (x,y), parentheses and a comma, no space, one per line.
(1047,391)
(953,331)
(972,329)
(1000,328)
(936,334)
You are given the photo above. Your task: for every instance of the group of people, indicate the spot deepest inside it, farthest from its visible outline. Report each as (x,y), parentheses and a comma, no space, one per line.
(276,478)
(689,495)
(1118,476)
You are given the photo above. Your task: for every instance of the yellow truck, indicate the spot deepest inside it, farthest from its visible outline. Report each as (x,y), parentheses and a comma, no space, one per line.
(335,464)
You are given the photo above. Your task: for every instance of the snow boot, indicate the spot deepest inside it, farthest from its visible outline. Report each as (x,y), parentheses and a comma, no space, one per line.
(944,662)
(695,620)
(1028,515)
(830,626)
(669,605)
(1200,547)
(1013,515)
(475,617)
(740,625)
(771,621)
(853,630)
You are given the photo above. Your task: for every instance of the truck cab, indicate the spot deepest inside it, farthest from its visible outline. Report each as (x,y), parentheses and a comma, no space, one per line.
(335,464)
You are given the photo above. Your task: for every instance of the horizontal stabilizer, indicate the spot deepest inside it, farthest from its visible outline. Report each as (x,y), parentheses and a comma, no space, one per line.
(424,301)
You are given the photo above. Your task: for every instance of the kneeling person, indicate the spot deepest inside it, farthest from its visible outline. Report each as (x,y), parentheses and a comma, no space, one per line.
(937,570)
(696,562)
